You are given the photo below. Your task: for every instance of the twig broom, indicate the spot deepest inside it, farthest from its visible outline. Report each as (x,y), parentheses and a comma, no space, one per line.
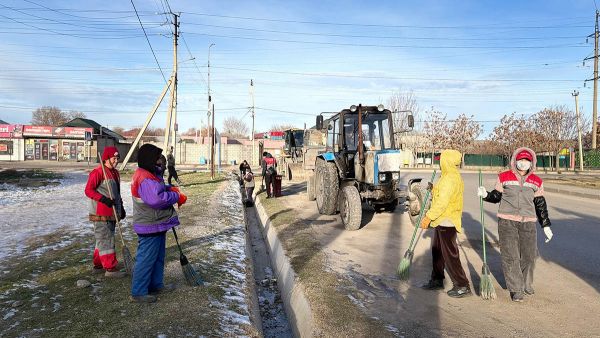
(486,287)
(404,266)
(128,260)
(191,276)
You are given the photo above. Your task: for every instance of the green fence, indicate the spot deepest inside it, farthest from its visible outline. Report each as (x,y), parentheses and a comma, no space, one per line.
(591,159)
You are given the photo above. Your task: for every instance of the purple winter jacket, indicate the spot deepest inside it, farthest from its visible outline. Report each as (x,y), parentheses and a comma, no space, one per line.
(153,210)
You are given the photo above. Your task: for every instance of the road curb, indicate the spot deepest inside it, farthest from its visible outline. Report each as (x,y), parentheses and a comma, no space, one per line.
(572,193)
(295,302)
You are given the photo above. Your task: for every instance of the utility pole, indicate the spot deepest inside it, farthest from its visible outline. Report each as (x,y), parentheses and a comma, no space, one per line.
(252,137)
(172,112)
(576,94)
(212,145)
(595,78)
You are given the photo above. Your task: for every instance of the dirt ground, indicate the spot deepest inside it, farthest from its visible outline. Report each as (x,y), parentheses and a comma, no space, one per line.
(38,293)
(364,264)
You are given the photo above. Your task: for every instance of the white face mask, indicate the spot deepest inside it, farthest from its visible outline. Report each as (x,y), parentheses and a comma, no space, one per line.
(523,165)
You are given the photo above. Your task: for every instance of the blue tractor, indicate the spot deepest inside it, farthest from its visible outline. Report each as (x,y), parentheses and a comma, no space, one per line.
(360,163)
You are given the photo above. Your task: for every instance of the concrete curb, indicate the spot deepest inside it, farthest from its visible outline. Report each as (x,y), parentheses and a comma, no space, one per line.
(296,304)
(558,190)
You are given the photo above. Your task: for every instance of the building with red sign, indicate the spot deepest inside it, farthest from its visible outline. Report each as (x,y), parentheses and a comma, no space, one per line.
(76,140)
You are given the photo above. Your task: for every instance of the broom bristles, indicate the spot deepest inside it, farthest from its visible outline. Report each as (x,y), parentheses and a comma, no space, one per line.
(128,261)
(191,276)
(404,266)
(486,287)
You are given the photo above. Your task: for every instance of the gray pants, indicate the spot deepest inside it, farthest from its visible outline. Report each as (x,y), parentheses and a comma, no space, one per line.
(518,247)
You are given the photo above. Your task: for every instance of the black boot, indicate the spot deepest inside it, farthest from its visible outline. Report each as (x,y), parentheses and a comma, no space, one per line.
(433,284)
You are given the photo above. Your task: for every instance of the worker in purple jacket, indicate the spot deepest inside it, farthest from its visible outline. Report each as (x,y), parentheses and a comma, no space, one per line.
(153,216)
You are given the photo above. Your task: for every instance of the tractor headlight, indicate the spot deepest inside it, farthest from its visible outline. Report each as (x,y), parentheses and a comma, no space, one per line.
(382,177)
(380,107)
(353,108)
(395,176)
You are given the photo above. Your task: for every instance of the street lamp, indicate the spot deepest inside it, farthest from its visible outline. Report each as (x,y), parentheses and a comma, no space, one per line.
(576,94)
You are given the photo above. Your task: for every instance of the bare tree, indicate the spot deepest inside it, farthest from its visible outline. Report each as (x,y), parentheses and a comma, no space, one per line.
(557,129)
(462,133)
(513,131)
(235,127)
(436,129)
(75,115)
(48,116)
(403,104)
(282,127)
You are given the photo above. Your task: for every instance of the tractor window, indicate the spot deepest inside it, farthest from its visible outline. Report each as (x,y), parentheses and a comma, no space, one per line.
(375,131)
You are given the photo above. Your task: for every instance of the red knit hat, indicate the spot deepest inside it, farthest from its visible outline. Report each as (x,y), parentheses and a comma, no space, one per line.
(109,152)
(524,154)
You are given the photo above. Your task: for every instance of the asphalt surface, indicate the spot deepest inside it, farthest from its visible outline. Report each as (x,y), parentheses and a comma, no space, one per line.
(567,277)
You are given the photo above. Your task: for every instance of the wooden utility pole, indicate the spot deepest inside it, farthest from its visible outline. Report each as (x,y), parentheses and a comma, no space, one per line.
(212,145)
(252,137)
(595,114)
(208,124)
(576,94)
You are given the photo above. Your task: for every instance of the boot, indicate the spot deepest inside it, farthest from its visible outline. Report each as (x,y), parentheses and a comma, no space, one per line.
(97,270)
(433,284)
(115,273)
(516,296)
(165,289)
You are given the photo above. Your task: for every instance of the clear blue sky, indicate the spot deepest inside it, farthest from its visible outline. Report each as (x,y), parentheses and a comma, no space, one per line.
(482,58)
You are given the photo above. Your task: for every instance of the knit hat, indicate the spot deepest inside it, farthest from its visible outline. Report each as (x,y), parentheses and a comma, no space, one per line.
(147,157)
(109,152)
(524,154)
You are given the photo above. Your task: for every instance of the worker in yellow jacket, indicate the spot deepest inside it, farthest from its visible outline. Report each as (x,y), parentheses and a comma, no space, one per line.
(445,217)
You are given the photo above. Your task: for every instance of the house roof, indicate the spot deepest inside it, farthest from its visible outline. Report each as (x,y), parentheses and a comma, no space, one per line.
(98,129)
(3,122)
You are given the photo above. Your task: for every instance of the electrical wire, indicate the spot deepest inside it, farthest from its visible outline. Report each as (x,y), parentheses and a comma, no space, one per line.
(149,44)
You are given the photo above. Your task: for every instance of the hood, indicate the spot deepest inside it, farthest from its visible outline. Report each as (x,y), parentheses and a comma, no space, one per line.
(450,160)
(147,156)
(513,161)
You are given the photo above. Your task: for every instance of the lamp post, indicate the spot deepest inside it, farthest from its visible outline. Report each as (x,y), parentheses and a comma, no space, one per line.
(576,94)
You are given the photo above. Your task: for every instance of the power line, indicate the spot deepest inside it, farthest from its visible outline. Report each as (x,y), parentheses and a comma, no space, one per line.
(149,44)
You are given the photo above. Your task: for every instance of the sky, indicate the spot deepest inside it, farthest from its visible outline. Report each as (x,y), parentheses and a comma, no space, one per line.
(481,58)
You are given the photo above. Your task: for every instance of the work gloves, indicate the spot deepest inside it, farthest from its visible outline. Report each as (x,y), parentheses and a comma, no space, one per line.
(122,213)
(107,201)
(182,197)
(548,233)
(481,192)
(425,222)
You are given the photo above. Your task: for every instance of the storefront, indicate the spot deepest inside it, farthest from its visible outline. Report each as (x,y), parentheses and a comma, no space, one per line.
(11,142)
(57,143)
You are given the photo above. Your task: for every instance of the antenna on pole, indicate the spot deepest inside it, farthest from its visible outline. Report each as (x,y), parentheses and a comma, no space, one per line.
(253,114)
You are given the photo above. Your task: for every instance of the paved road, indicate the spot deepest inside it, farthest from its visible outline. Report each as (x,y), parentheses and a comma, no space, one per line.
(567,277)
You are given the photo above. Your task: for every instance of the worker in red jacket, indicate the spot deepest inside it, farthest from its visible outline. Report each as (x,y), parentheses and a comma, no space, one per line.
(101,212)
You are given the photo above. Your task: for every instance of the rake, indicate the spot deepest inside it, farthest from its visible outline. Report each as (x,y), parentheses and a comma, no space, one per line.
(128,260)
(404,266)
(486,287)
(191,276)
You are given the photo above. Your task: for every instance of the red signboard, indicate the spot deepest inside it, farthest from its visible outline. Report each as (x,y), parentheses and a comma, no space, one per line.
(11,130)
(37,130)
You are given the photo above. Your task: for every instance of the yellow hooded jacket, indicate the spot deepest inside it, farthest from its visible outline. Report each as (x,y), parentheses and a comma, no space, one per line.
(447,203)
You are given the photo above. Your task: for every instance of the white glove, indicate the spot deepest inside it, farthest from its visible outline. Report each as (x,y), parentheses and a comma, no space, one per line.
(481,192)
(548,233)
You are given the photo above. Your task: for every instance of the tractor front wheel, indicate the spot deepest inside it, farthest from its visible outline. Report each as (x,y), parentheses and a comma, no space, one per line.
(414,206)
(350,208)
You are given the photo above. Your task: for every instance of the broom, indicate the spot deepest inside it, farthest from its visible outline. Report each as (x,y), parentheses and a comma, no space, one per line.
(128,260)
(191,276)
(404,266)
(486,287)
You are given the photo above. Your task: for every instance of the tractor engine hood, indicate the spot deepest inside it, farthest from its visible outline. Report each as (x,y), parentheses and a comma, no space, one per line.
(388,160)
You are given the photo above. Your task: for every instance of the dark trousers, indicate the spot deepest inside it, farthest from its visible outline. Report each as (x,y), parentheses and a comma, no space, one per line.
(270,181)
(444,250)
(172,174)
(249,192)
(518,248)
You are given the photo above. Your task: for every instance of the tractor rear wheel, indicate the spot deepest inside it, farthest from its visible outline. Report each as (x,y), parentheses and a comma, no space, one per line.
(350,208)
(327,187)
(414,207)
(310,188)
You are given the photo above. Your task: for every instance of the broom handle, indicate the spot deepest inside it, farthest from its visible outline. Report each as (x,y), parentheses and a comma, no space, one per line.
(177,241)
(421,212)
(111,197)
(482,219)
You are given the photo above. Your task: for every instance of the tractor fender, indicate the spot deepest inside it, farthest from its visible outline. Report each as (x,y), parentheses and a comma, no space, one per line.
(330,157)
